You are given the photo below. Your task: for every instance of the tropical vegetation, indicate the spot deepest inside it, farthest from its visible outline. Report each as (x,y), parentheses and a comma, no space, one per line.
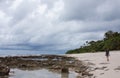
(110,41)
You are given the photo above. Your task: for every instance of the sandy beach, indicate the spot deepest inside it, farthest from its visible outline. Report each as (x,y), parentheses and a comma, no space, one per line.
(102,67)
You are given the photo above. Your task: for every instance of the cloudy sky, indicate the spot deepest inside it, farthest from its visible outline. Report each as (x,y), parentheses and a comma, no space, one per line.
(55,25)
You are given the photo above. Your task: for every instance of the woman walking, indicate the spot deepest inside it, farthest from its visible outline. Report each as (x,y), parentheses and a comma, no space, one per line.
(107,54)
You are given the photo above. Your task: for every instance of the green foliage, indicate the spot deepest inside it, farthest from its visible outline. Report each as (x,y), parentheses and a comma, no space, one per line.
(111,41)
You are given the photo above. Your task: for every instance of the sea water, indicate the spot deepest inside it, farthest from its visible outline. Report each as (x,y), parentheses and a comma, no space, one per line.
(27,52)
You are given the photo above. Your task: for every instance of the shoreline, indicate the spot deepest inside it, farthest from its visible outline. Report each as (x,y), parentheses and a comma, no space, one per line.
(100,67)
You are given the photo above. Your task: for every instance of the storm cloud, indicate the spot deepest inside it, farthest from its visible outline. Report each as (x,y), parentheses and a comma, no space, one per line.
(55,25)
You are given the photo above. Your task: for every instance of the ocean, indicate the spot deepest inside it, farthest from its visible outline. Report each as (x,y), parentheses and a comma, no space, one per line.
(27,52)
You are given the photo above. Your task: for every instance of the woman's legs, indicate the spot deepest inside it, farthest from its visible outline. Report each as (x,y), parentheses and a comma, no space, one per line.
(107,58)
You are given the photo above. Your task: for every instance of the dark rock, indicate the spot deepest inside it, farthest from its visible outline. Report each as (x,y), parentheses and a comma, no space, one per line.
(4,70)
(89,63)
(90,74)
(101,73)
(64,70)
(56,67)
(100,68)
(118,68)
(87,74)
(106,69)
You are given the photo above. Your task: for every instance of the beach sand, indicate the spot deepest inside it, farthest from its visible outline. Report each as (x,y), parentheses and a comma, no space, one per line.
(102,67)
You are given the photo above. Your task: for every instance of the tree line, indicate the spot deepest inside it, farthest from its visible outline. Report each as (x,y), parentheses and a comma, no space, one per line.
(110,41)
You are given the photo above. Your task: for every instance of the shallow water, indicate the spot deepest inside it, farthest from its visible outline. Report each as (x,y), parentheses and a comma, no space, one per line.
(41,73)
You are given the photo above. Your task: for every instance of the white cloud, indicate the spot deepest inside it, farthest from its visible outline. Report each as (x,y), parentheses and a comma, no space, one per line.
(56,24)
(16,4)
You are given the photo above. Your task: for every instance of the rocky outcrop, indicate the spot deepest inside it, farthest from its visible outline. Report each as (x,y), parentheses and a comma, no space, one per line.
(51,62)
(4,70)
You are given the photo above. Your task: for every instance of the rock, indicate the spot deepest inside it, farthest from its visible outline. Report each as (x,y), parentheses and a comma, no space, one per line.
(106,69)
(56,67)
(118,68)
(64,70)
(100,68)
(89,63)
(101,73)
(87,74)
(4,70)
